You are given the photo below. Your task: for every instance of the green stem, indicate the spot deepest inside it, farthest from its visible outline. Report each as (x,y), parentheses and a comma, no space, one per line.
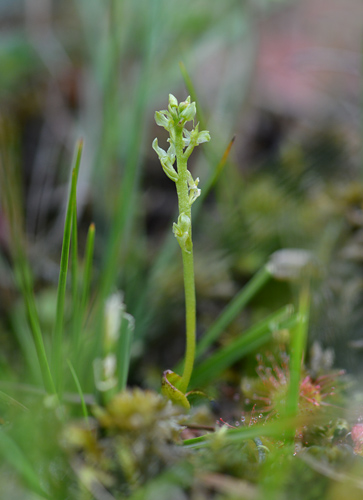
(190,314)
(188,263)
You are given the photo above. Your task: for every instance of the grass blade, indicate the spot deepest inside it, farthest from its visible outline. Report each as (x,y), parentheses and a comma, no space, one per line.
(74,254)
(276,428)
(125,206)
(11,200)
(79,390)
(12,454)
(57,340)
(191,91)
(124,349)
(255,336)
(217,170)
(232,310)
(38,339)
(210,153)
(84,292)
(90,245)
(7,400)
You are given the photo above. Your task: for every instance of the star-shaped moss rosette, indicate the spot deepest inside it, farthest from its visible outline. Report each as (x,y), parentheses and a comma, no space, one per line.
(181,145)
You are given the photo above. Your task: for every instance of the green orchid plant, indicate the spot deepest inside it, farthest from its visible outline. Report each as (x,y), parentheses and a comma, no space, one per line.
(182,142)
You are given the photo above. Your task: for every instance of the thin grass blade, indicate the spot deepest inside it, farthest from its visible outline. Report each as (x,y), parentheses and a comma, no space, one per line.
(217,170)
(11,201)
(253,338)
(57,340)
(74,255)
(233,309)
(191,91)
(275,429)
(124,349)
(13,455)
(90,245)
(85,290)
(79,390)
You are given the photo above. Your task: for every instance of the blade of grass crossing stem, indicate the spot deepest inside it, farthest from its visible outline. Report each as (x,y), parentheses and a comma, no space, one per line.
(298,346)
(14,456)
(191,91)
(275,429)
(124,349)
(233,309)
(253,338)
(57,340)
(212,179)
(80,392)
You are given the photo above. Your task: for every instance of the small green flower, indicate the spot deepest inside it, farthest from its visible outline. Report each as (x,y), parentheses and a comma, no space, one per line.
(173,102)
(203,136)
(163,119)
(182,231)
(187,113)
(194,138)
(194,191)
(167,159)
(184,104)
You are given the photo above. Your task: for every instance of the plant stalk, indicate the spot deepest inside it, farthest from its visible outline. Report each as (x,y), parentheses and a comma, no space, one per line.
(188,263)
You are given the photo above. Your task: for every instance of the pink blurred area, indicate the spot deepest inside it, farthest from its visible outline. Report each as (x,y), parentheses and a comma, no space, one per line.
(310,58)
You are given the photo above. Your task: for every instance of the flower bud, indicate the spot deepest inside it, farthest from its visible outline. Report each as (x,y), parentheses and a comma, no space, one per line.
(182,232)
(162,119)
(184,104)
(203,136)
(194,191)
(173,102)
(188,113)
(166,159)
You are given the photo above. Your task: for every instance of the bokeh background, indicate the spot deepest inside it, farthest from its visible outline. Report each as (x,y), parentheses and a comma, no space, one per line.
(282,77)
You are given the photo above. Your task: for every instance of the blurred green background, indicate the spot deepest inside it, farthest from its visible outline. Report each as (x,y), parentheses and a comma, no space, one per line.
(283,77)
